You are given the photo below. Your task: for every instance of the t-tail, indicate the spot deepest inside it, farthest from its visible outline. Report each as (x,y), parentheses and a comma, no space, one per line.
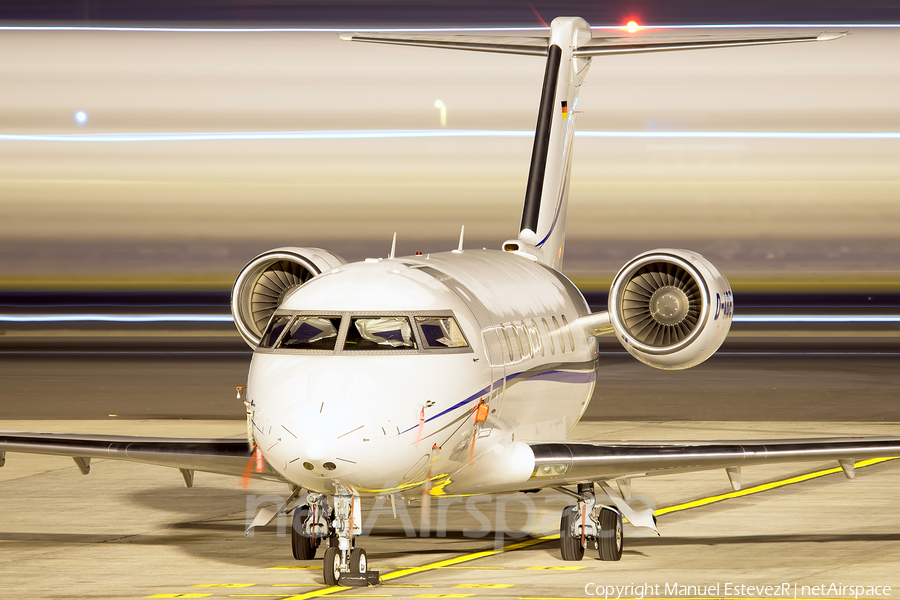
(568,50)
(543,228)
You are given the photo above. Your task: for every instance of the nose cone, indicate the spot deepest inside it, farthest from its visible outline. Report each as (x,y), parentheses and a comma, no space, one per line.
(353,419)
(319,441)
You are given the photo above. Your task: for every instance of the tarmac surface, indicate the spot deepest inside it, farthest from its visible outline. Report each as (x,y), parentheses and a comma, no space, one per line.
(132,531)
(754,385)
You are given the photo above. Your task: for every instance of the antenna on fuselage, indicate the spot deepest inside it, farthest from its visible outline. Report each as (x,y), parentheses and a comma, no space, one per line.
(393,246)
(462,234)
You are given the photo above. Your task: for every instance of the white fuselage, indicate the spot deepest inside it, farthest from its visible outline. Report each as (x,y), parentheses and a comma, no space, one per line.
(392,420)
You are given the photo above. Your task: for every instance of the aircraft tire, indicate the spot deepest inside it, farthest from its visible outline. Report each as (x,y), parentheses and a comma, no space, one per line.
(359,564)
(612,537)
(569,546)
(303,547)
(332,567)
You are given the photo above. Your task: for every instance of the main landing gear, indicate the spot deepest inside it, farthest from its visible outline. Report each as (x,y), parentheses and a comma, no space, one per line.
(585,522)
(339,525)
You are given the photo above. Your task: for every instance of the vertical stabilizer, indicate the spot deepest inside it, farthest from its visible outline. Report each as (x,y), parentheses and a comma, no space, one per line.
(543,228)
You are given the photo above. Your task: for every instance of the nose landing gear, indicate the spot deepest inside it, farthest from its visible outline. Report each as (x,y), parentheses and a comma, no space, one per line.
(304,526)
(343,563)
(581,523)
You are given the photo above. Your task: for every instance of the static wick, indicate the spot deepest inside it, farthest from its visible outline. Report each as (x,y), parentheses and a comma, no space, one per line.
(462,234)
(393,246)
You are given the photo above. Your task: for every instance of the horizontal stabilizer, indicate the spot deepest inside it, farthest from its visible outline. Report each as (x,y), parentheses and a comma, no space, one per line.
(537,46)
(531,46)
(610,46)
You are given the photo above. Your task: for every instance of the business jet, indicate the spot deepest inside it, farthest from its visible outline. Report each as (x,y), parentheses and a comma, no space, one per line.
(463,372)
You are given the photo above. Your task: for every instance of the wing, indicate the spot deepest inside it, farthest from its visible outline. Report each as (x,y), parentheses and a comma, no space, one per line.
(572,462)
(225,456)
(528,466)
(537,46)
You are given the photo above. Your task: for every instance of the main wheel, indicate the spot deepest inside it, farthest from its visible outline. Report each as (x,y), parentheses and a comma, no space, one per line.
(569,546)
(332,567)
(612,539)
(303,546)
(359,565)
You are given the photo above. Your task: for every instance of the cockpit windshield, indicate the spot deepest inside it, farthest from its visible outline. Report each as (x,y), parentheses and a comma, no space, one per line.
(379,333)
(312,333)
(273,331)
(441,332)
(347,332)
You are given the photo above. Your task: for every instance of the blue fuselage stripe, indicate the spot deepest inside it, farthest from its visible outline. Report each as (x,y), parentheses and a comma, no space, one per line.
(559,376)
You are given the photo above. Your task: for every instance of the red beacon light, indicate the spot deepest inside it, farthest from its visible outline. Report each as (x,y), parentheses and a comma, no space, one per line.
(632,26)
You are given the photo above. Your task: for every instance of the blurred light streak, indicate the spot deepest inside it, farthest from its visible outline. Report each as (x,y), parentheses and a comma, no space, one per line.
(117,318)
(223,318)
(428,29)
(816,318)
(266,29)
(432,133)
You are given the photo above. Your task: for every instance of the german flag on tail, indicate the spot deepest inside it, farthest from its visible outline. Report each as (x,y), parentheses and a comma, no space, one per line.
(565,109)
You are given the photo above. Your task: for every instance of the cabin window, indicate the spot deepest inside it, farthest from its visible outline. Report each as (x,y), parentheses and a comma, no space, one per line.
(311,333)
(569,331)
(549,337)
(509,347)
(517,334)
(276,325)
(441,332)
(514,344)
(380,333)
(522,333)
(562,342)
(535,335)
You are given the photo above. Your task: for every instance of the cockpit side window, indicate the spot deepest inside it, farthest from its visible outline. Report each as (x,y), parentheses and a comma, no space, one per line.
(441,332)
(380,333)
(276,325)
(311,333)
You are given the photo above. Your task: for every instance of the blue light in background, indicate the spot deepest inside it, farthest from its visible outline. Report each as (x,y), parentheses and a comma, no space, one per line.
(226,318)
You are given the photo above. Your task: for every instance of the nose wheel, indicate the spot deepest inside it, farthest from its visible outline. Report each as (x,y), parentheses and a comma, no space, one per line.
(343,563)
(303,543)
(332,567)
(359,564)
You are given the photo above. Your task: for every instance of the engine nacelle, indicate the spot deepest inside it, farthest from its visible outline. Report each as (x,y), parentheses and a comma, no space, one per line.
(263,283)
(671,309)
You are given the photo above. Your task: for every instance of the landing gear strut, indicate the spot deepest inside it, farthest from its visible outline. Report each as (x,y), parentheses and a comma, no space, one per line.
(585,522)
(339,524)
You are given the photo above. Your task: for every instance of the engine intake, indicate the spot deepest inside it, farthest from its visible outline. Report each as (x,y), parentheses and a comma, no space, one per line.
(261,286)
(670,308)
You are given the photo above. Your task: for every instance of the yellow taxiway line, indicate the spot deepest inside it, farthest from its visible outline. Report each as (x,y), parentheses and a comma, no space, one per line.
(451,562)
